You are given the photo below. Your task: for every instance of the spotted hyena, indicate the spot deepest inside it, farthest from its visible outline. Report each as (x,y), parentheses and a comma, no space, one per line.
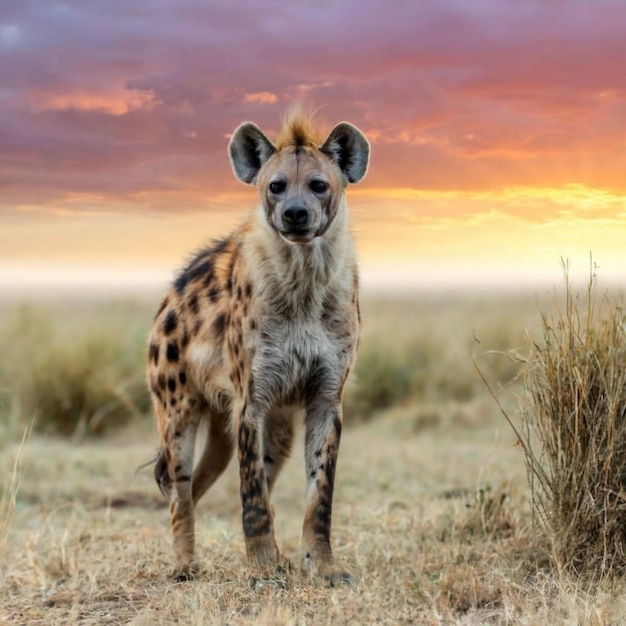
(257,326)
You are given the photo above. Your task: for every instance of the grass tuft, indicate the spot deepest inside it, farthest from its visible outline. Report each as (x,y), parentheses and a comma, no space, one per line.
(573,431)
(8,492)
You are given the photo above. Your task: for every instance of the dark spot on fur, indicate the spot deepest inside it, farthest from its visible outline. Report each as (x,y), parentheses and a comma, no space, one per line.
(256,520)
(239,293)
(172,401)
(182,377)
(249,290)
(197,326)
(213,294)
(185,340)
(171,384)
(192,402)
(178,434)
(252,324)
(219,324)
(268,459)
(193,304)
(170,323)
(323,519)
(161,382)
(153,353)
(172,352)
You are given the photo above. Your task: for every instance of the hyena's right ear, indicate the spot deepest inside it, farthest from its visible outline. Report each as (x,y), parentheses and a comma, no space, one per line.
(249,148)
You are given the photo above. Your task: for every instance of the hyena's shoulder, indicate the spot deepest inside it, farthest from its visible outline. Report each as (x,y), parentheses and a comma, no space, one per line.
(196,300)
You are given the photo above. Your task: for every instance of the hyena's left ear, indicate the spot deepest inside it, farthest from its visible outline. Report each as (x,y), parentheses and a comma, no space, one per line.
(249,148)
(348,147)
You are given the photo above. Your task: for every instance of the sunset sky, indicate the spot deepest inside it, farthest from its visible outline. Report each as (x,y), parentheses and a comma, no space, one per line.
(498,131)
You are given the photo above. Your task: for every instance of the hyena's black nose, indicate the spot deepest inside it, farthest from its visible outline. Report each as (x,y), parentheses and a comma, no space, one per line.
(296,216)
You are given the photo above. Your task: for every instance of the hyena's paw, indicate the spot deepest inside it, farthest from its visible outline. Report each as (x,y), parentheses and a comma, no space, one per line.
(275,574)
(332,572)
(189,571)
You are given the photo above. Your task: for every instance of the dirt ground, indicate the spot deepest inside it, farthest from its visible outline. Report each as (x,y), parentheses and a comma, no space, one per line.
(431,516)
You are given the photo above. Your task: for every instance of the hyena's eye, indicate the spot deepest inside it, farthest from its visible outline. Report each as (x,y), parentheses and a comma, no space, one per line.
(278,186)
(318,186)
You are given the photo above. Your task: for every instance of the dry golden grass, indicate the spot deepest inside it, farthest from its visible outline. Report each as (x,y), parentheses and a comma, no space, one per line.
(431,507)
(74,368)
(77,368)
(574,431)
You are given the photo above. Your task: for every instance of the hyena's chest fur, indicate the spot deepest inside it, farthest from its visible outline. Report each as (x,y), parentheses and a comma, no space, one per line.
(293,357)
(280,345)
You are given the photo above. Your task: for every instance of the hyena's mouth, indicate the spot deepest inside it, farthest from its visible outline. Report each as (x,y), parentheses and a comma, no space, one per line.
(298,236)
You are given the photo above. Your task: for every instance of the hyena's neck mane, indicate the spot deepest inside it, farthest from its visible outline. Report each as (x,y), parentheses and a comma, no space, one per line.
(300,275)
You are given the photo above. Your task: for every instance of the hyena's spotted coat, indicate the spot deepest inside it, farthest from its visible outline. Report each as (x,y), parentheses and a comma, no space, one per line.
(257,326)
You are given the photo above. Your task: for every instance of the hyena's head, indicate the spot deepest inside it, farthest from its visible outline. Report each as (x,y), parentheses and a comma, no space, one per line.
(301,181)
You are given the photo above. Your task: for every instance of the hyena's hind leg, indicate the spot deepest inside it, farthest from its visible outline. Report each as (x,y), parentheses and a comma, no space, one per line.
(218,451)
(174,471)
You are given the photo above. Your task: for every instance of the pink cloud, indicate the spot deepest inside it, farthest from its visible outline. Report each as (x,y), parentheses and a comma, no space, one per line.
(139,97)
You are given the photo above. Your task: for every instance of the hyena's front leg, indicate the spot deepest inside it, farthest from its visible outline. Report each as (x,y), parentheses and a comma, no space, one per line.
(323,433)
(258,524)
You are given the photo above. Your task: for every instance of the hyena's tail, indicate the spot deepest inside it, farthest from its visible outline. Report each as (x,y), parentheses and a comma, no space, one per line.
(161,475)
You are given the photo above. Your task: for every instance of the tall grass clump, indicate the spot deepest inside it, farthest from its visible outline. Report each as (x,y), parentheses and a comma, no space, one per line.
(75,371)
(574,432)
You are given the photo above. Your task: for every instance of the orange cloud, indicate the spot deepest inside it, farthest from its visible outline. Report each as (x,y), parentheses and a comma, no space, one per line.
(117,103)
(262,97)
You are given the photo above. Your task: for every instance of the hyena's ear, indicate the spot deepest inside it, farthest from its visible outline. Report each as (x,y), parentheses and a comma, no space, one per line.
(348,147)
(249,148)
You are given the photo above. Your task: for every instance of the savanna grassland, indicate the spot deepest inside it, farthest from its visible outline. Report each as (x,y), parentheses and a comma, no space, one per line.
(431,510)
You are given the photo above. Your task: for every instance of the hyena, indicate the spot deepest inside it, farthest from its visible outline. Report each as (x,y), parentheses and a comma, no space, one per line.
(257,326)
